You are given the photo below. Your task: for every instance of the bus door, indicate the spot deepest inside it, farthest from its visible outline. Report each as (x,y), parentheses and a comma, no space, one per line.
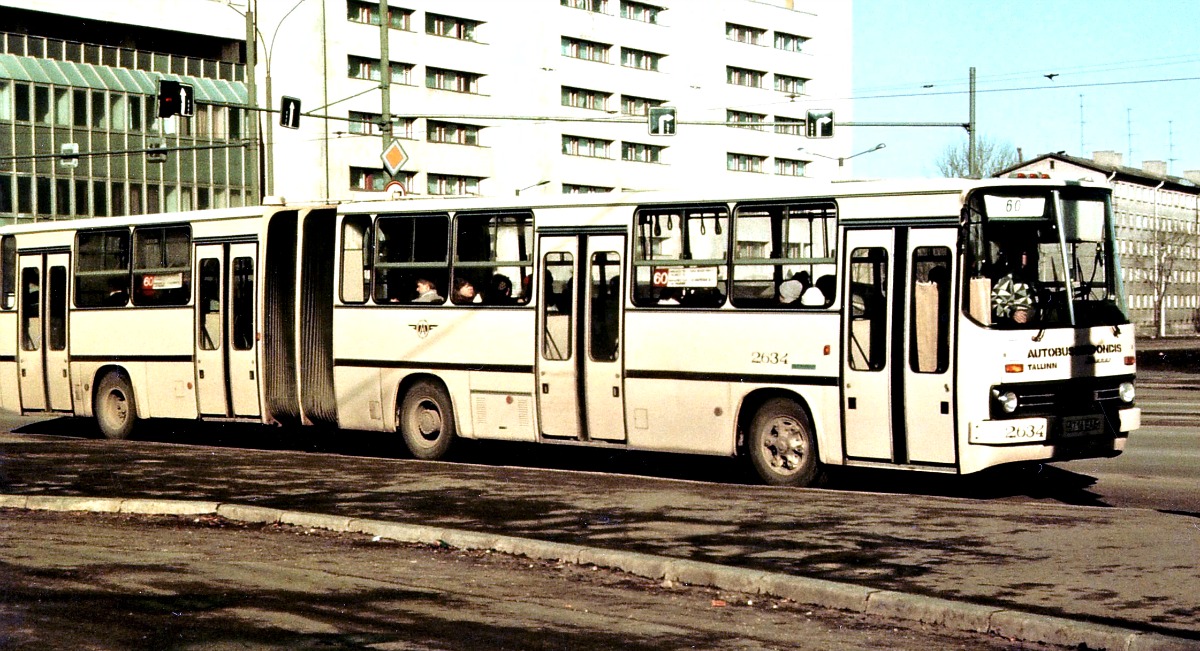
(580,368)
(866,341)
(929,365)
(42,357)
(227,377)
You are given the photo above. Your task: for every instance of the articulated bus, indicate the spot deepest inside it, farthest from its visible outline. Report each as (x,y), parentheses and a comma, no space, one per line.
(942,326)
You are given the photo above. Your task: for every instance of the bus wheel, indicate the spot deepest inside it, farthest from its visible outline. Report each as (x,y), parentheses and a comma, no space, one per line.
(781,445)
(427,421)
(114,408)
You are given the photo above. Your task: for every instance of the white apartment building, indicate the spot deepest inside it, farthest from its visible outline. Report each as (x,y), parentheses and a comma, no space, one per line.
(486,97)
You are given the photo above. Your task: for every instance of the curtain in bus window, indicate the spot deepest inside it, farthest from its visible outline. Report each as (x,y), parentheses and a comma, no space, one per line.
(31,309)
(868,309)
(929,335)
(162,265)
(102,268)
(681,256)
(8,272)
(784,255)
(557,303)
(57,309)
(409,248)
(493,258)
(605,311)
(243,304)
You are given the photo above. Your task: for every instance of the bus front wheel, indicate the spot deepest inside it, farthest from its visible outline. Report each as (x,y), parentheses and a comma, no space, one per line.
(114,407)
(781,445)
(426,421)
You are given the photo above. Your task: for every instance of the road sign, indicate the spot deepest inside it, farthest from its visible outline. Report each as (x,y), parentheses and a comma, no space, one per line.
(289,113)
(395,187)
(175,98)
(820,123)
(662,120)
(157,156)
(69,155)
(393,157)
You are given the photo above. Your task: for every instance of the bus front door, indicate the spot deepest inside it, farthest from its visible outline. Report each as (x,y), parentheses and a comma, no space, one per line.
(867,342)
(42,355)
(580,317)
(226,334)
(929,364)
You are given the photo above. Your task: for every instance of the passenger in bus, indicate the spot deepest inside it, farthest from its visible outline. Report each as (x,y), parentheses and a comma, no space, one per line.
(790,290)
(118,292)
(427,292)
(499,292)
(821,293)
(1013,295)
(464,292)
(669,296)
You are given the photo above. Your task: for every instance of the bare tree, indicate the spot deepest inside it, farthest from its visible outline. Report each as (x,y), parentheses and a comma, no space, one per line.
(991,156)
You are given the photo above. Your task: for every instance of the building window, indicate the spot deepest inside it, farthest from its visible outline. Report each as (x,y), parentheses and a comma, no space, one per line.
(366,124)
(789,126)
(367,13)
(583,98)
(789,167)
(6,98)
(744,34)
(631,105)
(445,184)
(368,179)
(453,80)
(640,59)
(744,162)
(738,118)
(576,188)
(640,11)
(744,77)
(368,69)
(598,6)
(451,27)
(790,85)
(789,42)
(639,153)
(451,132)
(589,147)
(578,48)
(21,101)
(41,105)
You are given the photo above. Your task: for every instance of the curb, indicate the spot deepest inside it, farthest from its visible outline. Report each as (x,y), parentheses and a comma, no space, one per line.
(1012,624)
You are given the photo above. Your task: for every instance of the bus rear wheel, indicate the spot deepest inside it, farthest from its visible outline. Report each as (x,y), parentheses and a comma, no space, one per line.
(426,421)
(781,445)
(114,407)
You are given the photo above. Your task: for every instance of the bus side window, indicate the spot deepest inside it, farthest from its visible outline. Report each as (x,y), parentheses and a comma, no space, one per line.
(356,262)
(929,336)
(8,272)
(242,304)
(868,309)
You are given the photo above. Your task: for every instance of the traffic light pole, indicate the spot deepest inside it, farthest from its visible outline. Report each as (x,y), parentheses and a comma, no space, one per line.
(252,101)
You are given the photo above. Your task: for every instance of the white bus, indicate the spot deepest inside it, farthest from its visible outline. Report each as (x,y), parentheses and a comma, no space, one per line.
(945,326)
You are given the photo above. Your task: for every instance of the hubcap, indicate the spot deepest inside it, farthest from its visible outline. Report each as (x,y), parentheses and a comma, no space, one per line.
(429,421)
(784,445)
(119,408)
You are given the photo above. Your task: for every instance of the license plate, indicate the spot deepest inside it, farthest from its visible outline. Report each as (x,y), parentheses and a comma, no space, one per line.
(1082,426)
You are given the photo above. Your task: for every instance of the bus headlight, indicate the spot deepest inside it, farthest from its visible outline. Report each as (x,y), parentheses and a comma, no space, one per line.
(1007,401)
(1126,392)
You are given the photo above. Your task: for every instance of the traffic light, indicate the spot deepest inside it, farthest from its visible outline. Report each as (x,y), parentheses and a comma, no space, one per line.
(175,98)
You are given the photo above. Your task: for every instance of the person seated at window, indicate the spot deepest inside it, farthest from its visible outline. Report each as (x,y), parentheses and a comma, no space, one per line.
(820,294)
(118,292)
(1013,295)
(427,292)
(499,291)
(790,290)
(464,292)
(669,296)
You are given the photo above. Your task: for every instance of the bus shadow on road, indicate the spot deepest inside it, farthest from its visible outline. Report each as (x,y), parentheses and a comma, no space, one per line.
(1041,482)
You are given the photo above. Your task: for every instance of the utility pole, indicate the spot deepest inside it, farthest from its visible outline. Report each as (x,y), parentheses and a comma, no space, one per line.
(973,162)
(385,74)
(252,97)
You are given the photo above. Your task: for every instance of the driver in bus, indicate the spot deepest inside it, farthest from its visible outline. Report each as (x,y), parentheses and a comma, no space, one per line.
(1013,292)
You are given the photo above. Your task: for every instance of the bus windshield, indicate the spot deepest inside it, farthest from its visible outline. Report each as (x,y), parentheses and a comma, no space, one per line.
(1043,259)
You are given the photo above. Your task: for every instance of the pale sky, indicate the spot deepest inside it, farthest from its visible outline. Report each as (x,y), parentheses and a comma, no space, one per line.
(912,61)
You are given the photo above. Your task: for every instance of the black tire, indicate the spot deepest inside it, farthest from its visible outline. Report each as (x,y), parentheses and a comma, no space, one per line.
(426,421)
(114,408)
(781,445)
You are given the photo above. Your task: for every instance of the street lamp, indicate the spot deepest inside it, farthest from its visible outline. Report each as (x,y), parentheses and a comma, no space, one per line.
(842,159)
(530,187)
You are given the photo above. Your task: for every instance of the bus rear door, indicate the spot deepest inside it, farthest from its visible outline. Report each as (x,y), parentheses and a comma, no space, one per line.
(580,367)
(226,334)
(42,355)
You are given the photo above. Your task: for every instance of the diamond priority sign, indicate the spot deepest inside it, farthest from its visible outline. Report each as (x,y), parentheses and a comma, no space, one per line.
(393,157)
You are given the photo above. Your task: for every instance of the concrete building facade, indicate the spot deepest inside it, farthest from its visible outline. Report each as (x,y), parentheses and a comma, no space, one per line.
(1158,234)
(485,98)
